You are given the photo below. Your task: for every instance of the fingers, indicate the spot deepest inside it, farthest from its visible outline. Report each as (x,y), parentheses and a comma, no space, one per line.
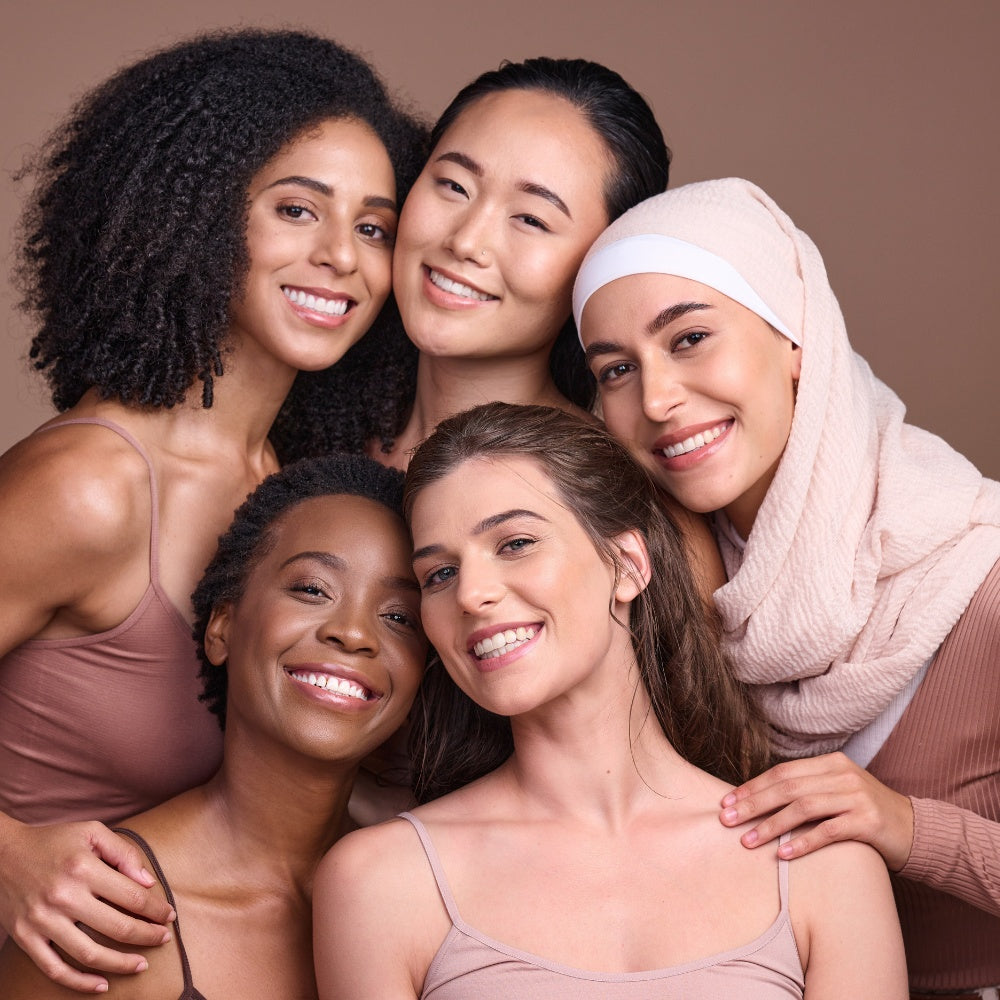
(84,950)
(831,796)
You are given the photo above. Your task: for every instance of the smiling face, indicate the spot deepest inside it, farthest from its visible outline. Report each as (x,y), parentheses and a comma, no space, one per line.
(322,220)
(515,596)
(496,225)
(698,387)
(324,649)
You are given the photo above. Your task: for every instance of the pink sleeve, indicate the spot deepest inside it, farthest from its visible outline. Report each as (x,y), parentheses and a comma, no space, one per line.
(955,851)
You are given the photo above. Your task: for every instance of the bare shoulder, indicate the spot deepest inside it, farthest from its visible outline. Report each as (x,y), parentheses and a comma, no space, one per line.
(845,923)
(83,480)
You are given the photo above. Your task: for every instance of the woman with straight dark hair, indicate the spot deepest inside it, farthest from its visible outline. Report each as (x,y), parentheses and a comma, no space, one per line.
(209,223)
(576,849)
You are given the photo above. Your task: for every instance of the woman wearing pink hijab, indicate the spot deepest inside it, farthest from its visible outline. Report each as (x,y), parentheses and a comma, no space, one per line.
(863,593)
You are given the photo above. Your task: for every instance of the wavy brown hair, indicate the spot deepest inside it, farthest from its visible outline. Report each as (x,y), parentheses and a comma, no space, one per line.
(705,712)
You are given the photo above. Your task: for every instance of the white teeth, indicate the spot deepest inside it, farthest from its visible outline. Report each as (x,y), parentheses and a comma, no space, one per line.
(336,684)
(447,285)
(691,443)
(332,307)
(502,642)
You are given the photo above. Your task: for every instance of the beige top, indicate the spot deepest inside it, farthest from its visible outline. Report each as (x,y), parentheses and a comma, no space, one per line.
(471,964)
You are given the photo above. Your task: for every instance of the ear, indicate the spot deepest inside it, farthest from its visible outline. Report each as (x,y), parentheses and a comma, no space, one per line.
(796,362)
(217,634)
(633,559)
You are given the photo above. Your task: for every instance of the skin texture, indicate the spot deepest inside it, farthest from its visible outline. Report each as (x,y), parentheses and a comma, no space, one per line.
(475,215)
(673,358)
(79,561)
(665,376)
(591,785)
(333,596)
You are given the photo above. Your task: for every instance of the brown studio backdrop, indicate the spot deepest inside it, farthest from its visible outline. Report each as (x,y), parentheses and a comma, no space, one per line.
(873,123)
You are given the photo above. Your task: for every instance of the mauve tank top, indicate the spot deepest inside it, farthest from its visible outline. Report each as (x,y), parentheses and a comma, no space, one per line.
(471,964)
(104,726)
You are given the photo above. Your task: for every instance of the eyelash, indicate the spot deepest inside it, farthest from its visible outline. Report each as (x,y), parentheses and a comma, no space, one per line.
(294,211)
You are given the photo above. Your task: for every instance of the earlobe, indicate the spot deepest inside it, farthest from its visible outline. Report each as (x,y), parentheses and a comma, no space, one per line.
(635,571)
(796,362)
(217,635)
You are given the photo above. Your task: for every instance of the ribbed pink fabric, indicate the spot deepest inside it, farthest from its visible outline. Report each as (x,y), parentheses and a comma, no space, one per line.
(945,752)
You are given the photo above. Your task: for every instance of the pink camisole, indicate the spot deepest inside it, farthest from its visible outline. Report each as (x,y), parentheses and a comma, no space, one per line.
(104,726)
(471,964)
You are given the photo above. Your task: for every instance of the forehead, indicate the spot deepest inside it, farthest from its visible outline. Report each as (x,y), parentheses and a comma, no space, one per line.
(481,487)
(638,299)
(357,529)
(345,145)
(527,125)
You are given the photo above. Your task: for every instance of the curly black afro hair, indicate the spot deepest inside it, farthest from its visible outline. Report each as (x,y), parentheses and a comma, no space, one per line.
(135,243)
(250,536)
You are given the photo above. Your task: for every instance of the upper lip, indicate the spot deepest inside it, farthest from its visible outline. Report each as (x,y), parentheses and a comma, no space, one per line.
(461,279)
(488,631)
(675,437)
(336,670)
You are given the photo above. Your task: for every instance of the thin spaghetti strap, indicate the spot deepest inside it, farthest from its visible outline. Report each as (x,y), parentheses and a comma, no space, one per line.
(783,875)
(436,868)
(154,519)
(148,851)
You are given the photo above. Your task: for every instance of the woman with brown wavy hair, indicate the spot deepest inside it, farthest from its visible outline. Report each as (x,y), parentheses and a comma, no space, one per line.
(584,724)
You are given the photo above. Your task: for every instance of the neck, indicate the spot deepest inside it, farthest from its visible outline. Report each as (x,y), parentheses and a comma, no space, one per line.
(446,386)
(599,760)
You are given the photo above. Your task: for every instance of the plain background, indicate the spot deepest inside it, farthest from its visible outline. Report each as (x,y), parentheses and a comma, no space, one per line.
(874,123)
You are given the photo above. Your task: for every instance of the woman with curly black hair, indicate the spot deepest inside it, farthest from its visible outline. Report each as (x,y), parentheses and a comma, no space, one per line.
(210,223)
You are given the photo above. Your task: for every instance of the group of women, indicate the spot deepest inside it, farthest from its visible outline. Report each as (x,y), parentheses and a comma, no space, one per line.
(243,255)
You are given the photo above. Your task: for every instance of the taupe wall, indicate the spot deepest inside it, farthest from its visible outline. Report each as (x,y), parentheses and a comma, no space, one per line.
(873,122)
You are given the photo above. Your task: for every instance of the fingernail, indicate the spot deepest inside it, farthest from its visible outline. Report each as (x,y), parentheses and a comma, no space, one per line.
(142,965)
(730,815)
(101,988)
(785,851)
(730,799)
(750,838)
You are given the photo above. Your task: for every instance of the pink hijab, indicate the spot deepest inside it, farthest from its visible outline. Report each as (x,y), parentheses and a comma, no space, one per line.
(874,534)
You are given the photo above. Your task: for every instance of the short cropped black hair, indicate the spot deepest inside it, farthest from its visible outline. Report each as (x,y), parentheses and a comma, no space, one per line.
(135,239)
(250,536)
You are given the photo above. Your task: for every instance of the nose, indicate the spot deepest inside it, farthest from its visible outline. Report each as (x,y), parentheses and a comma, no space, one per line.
(479,587)
(470,239)
(351,625)
(662,390)
(336,247)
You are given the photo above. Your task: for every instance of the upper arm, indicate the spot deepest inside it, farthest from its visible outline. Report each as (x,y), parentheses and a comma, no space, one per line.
(373,919)
(68,525)
(846,925)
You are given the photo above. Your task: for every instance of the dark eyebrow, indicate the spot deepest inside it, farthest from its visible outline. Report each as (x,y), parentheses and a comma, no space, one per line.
(543,192)
(674,312)
(662,320)
(463,161)
(326,558)
(335,562)
(486,524)
(371,201)
(528,187)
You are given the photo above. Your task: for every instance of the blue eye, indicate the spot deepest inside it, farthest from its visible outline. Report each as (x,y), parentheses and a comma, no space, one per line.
(439,576)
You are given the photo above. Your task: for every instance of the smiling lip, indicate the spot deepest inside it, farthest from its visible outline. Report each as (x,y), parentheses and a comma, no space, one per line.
(318,305)
(330,681)
(495,646)
(452,291)
(688,446)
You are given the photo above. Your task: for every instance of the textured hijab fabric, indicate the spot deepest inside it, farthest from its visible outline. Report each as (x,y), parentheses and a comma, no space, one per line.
(874,534)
